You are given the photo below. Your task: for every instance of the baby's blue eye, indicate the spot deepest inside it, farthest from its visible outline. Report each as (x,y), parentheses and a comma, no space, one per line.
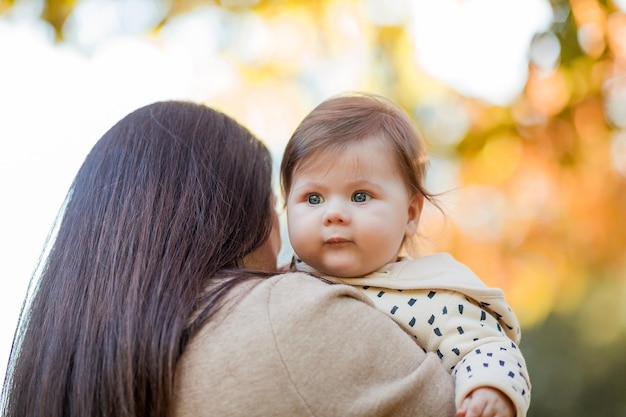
(360,197)
(314,199)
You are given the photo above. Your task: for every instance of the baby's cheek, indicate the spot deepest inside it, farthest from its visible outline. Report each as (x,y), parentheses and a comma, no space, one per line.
(383,247)
(303,242)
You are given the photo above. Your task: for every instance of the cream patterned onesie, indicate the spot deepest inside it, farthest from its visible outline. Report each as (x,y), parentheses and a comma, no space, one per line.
(450,311)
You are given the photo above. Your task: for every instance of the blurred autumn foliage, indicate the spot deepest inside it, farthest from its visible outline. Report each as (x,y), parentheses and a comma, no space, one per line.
(538,201)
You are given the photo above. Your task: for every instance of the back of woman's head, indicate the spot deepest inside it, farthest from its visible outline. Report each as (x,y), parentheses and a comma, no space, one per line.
(348,119)
(178,177)
(170,196)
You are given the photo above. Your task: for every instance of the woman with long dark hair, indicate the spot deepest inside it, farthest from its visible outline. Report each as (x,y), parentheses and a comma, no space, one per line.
(160,296)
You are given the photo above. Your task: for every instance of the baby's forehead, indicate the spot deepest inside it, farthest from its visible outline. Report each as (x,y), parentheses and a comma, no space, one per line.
(323,158)
(351,150)
(349,164)
(327,160)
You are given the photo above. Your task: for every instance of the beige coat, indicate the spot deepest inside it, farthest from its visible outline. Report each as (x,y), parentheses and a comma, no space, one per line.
(295,346)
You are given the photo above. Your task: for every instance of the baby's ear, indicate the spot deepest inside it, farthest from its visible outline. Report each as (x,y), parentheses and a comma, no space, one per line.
(415,210)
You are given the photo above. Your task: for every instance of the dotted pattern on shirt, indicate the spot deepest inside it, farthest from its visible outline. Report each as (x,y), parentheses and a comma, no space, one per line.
(457,328)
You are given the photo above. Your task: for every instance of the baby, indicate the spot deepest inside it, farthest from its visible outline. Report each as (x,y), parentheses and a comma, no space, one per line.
(353,180)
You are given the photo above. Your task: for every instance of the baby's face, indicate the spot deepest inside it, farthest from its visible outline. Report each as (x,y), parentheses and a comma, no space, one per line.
(349,213)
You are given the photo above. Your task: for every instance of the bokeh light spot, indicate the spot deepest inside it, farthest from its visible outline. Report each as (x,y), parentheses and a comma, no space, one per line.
(618,152)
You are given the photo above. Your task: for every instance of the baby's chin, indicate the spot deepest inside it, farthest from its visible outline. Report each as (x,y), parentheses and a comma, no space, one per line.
(343,271)
(340,265)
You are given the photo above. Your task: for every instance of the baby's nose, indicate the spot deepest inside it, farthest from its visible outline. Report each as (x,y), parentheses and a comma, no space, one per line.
(336,214)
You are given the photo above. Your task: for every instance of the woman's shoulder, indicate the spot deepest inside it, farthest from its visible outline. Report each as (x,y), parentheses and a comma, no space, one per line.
(296,297)
(300,287)
(329,336)
(251,358)
(287,344)
(292,299)
(260,310)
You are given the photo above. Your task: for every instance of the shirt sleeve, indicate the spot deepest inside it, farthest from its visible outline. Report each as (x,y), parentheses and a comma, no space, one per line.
(346,358)
(465,335)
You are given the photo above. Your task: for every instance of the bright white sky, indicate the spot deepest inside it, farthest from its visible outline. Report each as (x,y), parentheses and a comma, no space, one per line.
(55,103)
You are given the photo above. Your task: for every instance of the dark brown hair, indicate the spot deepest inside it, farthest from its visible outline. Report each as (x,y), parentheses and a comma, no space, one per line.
(165,205)
(348,119)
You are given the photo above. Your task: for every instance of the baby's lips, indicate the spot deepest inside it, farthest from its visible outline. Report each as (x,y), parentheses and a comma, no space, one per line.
(337,240)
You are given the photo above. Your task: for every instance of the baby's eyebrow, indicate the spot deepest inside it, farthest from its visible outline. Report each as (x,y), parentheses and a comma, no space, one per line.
(306,187)
(361,183)
(308,184)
